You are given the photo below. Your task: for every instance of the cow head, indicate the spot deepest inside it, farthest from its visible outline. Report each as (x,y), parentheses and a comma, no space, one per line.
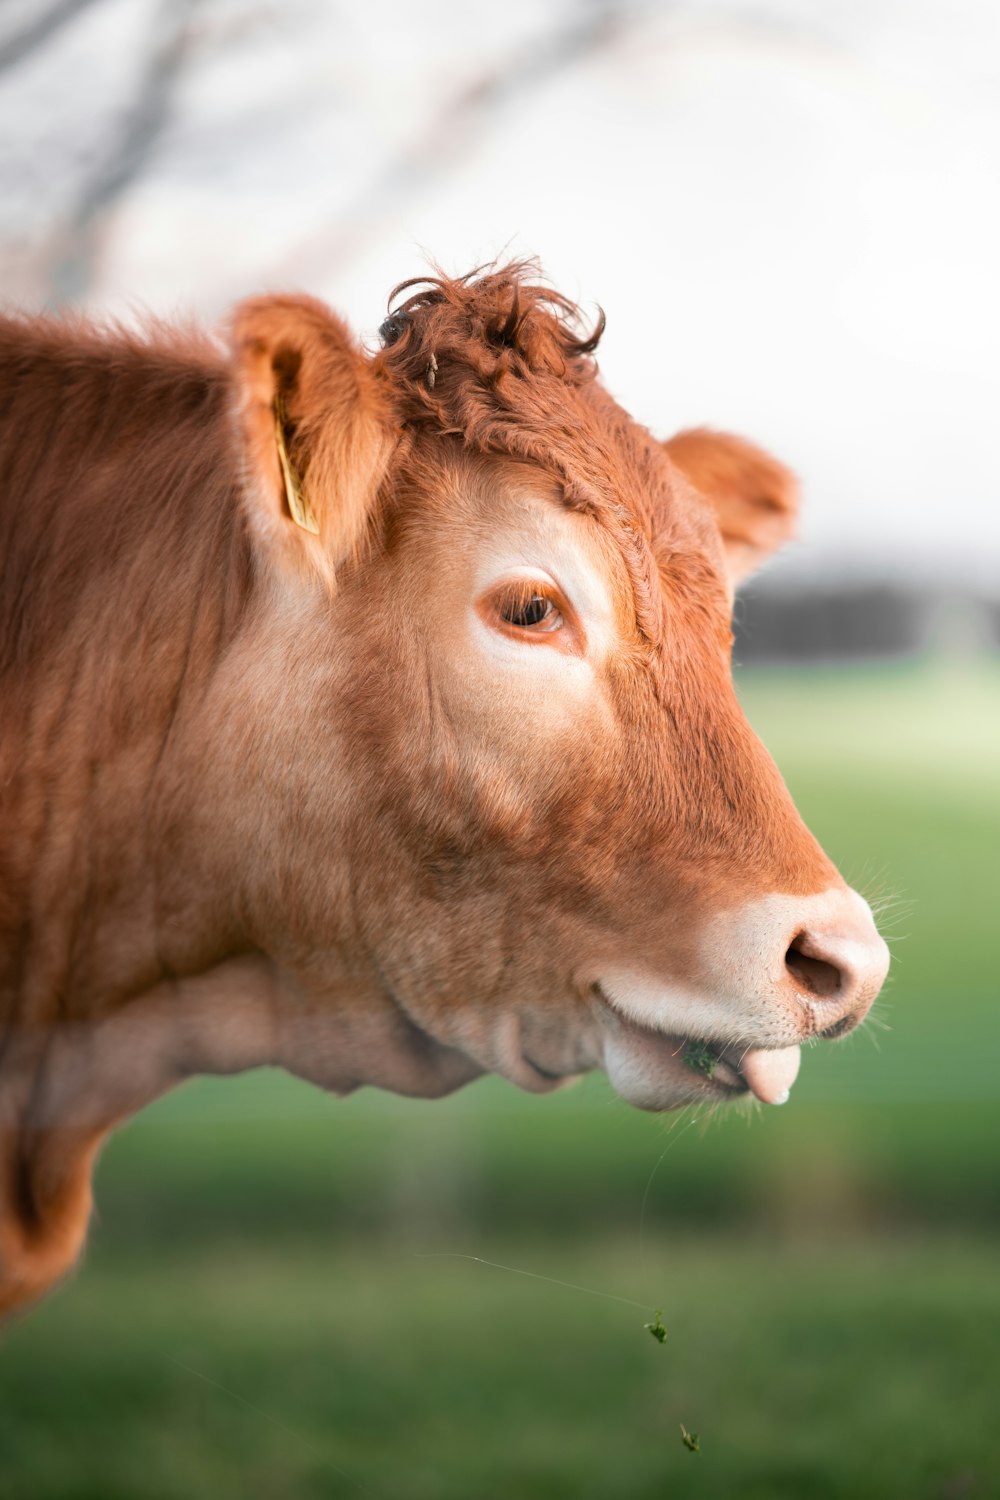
(531,825)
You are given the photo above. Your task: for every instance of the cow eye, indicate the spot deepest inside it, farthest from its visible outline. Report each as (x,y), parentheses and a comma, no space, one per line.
(534,612)
(521,605)
(533,609)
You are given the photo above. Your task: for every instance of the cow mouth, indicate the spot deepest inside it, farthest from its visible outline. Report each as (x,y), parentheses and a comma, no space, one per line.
(708,1068)
(708,1061)
(766,1072)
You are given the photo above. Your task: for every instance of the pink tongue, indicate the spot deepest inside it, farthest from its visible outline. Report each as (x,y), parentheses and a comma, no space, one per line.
(771,1074)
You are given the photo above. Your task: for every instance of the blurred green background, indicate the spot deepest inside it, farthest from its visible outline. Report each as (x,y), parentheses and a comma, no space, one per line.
(276,1299)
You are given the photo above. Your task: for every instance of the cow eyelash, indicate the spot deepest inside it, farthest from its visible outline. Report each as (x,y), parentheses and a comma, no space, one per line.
(525,606)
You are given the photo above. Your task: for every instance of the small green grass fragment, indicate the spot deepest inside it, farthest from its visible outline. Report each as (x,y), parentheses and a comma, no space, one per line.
(656,1328)
(700,1058)
(690,1440)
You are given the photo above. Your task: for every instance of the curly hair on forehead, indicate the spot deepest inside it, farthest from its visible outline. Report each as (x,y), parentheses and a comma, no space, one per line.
(498,319)
(458,348)
(499,361)
(505,364)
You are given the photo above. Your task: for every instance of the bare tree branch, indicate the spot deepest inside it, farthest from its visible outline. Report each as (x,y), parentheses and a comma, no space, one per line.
(38,31)
(133,146)
(453,131)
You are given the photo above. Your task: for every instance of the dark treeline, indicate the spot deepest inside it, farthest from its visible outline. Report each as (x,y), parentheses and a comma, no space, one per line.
(850,622)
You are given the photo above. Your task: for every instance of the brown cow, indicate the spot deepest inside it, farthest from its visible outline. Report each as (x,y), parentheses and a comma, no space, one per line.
(372,717)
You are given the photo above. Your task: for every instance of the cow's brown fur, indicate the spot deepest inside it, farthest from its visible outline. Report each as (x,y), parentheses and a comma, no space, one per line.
(253,811)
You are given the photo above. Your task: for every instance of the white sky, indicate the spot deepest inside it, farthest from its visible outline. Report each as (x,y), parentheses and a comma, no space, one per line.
(789,211)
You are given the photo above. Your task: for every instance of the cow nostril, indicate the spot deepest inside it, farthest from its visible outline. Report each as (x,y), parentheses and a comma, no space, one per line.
(815,975)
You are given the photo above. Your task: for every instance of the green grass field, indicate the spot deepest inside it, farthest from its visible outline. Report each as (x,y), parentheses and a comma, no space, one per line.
(277,1302)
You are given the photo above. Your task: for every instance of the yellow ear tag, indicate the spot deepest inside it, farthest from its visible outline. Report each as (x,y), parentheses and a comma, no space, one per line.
(299,508)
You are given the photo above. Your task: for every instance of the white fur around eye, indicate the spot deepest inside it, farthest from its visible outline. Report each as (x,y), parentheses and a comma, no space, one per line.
(555,556)
(538,654)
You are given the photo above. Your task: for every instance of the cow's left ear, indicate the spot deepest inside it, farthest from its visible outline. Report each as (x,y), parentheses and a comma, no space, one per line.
(316,434)
(755,498)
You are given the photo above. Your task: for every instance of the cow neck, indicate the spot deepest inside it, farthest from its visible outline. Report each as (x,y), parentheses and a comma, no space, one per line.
(100,678)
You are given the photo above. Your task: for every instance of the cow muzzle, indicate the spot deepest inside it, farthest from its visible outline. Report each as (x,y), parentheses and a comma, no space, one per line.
(768,975)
